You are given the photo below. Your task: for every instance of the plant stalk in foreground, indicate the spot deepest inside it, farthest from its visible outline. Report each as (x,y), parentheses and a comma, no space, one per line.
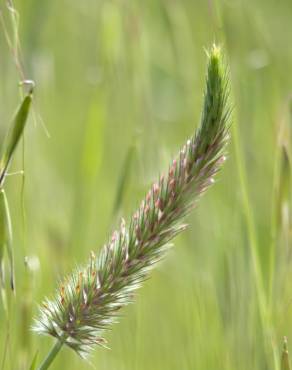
(8,148)
(90,299)
(285,356)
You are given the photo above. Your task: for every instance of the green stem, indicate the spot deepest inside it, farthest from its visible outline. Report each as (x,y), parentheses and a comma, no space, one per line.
(264,308)
(51,355)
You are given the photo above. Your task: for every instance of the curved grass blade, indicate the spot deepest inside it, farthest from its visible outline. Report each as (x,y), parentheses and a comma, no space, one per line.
(123,179)
(34,361)
(284,189)
(13,135)
(6,236)
(3,236)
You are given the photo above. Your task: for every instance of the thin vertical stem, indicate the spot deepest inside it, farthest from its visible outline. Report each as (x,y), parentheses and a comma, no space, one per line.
(264,309)
(51,355)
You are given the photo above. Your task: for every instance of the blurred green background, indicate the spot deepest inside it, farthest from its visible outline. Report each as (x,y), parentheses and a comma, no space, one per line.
(119,90)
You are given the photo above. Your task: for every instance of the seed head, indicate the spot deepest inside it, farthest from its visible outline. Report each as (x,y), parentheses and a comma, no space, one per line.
(92,297)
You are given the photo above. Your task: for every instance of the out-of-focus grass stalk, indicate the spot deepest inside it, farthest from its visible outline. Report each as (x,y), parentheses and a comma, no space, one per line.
(14,44)
(275,213)
(91,158)
(25,312)
(8,149)
(239,157)
(123,179)
(280,208)
(264,311)
(280,217)
(34,362)
(10,143)
(265,314)
(285,364)
(6,238)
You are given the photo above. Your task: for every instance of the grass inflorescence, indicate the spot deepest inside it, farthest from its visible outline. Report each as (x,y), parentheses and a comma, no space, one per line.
(89,300)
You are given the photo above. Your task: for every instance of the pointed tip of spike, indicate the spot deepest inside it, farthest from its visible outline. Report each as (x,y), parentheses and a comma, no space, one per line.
(216,50)
(216,57)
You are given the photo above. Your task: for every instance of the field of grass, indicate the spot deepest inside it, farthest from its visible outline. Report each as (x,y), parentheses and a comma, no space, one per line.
(119,87)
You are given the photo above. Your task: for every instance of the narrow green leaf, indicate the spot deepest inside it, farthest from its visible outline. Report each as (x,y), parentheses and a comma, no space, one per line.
(123,179)
(2,235)
(34,361)
(285,357)
(13,135)
(284,189)
(6,234)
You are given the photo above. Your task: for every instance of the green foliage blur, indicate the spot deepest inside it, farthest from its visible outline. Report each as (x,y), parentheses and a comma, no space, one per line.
(119,87)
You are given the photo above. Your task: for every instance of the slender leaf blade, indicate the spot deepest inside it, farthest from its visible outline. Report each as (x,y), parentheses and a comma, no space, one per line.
(6,234)
(13,136)
(34,361)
